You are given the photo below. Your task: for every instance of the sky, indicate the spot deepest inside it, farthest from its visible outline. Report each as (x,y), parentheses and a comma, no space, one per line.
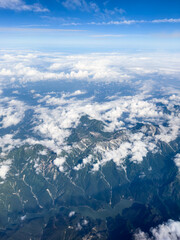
(83,25)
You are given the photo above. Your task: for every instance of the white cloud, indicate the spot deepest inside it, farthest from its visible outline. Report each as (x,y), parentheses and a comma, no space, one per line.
(106,67)
(165,231)
(20,5)
(167,20)
(81,5)
(79,227)
(73,94)
(3,171)
(109,36)
(59,163)
(11,111)
(177,161)
(7,142)
(71,214)
(92,67)
(84,222)
(4,168)
(44,152)
(23,218)
(15,92)
(114,11)
(133,21)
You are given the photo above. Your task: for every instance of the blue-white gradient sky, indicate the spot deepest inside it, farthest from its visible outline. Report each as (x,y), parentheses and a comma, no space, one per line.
(83,25)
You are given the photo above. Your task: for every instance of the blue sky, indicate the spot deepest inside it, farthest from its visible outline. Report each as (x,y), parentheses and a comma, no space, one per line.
(92,25)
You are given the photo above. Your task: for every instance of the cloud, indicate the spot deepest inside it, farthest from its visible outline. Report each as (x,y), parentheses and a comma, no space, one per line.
(177,161)
(11,112)
(23,218)
(81,5)
(114,11)
(168,231)
(71,214)
(55,116)
(73,94)
(129,146)
(166,20)
(20,5)
(79,227)
(44,152)
(133,21)
(56,123)
(4,168)
(8,142)
(109,36)
(29,29)
(59,162)
(84,222)
(92,67)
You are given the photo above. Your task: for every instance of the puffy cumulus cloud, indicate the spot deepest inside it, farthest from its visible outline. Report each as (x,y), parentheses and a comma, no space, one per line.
(4,168)
(54,126)
(71,214)
(59,163)
(27,67)
(20,5)
(43,152)
(76,93)
(3,171)
(23,218)
(11,112)
(165,231)
(84,222)
(8,142)
(177,161)
(171,132)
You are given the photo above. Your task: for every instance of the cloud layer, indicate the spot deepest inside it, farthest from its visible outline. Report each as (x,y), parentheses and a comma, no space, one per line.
(92,67)
(55,115)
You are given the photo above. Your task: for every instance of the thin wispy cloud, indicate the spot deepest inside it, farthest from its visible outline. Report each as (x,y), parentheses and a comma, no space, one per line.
(30,29)
(114,11)
(20,5)
(109,36)
(166,20)
(81,5)
(93,7)
(122,22)
(129,22)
